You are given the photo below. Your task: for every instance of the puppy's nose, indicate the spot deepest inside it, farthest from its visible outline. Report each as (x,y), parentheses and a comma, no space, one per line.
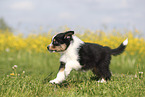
(48,47)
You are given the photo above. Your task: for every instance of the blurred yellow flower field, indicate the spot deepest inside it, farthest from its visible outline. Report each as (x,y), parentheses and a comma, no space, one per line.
(38,43)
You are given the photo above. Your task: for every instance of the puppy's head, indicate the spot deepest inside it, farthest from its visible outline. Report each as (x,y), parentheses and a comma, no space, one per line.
(60,42)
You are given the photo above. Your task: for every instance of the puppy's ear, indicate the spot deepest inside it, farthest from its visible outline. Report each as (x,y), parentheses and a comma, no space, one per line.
(68,34)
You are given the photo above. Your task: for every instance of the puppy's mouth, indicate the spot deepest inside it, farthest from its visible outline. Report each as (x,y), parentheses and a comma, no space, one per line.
(53,51)
(60,48)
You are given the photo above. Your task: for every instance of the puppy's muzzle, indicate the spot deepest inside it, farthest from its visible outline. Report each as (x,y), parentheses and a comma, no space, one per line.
(49,49)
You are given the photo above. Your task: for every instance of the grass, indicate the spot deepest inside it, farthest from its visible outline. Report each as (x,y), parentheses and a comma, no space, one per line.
(125,81)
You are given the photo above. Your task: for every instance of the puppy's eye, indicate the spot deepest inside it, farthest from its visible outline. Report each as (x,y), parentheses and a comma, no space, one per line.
(56,42)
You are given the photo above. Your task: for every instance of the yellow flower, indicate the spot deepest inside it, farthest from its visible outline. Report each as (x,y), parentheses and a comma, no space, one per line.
(12,74)
(38,43)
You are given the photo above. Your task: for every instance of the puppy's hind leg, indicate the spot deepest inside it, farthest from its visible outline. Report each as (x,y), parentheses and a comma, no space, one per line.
(96,73)
(103,69)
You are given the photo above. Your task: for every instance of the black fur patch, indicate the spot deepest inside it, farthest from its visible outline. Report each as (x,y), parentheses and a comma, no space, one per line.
(97,58)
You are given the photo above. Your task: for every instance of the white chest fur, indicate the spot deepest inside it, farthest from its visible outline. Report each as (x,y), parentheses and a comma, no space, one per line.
(70,56)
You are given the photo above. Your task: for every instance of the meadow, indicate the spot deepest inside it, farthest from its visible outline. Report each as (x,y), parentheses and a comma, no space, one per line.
(26,67)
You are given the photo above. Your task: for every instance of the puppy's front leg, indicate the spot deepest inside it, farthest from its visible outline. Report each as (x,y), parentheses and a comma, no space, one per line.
(60,75)
(64,71)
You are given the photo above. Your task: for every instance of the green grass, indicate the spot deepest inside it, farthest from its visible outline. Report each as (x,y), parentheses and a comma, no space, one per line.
(125,81)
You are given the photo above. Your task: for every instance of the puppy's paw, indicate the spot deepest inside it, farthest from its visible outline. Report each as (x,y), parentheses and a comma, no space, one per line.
(102,81)
(55,81)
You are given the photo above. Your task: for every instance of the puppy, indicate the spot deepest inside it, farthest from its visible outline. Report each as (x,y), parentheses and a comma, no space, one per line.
(79,55)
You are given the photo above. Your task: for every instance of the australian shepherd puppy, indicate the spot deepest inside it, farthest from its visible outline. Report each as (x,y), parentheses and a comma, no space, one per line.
(79,55)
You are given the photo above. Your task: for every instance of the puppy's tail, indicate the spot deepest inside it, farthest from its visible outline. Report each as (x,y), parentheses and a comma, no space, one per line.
(120,49)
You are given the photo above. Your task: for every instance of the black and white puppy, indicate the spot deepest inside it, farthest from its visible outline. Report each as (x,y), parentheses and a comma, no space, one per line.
(79,55)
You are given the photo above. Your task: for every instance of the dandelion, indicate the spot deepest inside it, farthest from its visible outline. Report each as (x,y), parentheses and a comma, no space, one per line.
(12,74)
(15,66)
(140,72)
(140,75)
(23,71)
